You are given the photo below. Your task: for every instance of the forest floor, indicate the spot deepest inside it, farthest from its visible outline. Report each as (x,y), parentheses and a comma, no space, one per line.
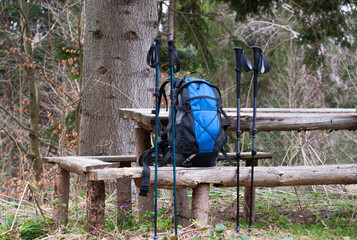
(318,212)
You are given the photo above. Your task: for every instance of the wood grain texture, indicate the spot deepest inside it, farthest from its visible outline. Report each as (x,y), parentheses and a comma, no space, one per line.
(268,119)
(95,206)
(80,165)
(200,203)
(226,176)
(61,196)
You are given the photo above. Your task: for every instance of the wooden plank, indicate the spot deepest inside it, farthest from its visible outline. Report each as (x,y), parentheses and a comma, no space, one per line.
(298,122)
(80,165)
(268,119)
(132,158)
(247,155)
(112,158)
(226,176)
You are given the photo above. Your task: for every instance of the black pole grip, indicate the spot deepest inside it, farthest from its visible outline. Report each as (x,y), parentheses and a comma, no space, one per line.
(257,57)
(171,53)
(157,51)
(257,60)
(238,69)
(238,51)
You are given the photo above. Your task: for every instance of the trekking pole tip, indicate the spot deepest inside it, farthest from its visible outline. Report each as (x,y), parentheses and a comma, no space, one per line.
(237,229)
(155,238)
(250,228)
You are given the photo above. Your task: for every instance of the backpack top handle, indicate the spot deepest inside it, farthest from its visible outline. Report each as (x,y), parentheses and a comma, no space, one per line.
(191,73)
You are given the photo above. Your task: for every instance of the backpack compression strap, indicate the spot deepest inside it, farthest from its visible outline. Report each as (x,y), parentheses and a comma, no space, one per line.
(144,158)
(227,157)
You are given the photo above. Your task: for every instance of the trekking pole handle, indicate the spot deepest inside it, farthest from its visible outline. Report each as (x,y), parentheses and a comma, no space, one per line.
(257,61)
(257,57)
(238,69)
(239,52)
(173,57)
(171,53)
(157,51)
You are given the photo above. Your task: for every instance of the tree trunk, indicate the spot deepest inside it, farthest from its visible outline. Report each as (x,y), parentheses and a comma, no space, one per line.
(33,90)
(171,20)
(115,74)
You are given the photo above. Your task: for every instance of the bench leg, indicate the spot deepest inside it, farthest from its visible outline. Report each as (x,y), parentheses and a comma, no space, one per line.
(183,208)
(142,143)
(200,203)
(124,191)
(247,193)
(95,206)
(61,196)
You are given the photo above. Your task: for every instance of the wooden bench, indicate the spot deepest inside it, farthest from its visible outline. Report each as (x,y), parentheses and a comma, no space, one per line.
(86,166)
(98,169)
(199,179)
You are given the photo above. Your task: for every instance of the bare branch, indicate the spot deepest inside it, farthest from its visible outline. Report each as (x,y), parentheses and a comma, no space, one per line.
(17,121)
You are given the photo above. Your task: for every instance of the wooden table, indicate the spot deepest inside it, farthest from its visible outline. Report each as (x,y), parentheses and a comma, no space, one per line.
(100,168)
(268,119)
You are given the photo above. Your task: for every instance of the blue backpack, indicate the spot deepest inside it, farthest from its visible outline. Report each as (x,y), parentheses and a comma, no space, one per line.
(199,133)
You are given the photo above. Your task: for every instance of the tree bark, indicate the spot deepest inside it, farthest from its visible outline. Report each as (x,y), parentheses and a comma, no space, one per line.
(115,75)
(171,20)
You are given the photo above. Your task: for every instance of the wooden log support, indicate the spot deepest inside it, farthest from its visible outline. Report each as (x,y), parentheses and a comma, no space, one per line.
(61,196)
(143,143)
(200,203)
(124,190)
(247,194)
(95,206)
(226,176)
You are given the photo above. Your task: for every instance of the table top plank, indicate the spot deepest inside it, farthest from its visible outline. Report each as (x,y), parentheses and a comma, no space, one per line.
(268,119)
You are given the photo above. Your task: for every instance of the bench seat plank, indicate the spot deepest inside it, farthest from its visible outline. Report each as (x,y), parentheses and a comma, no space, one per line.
(226,176)
(80,165)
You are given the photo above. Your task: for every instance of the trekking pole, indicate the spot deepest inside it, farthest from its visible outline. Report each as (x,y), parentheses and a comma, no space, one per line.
(261,64)
(153,59)
(241,61)
(172,57)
